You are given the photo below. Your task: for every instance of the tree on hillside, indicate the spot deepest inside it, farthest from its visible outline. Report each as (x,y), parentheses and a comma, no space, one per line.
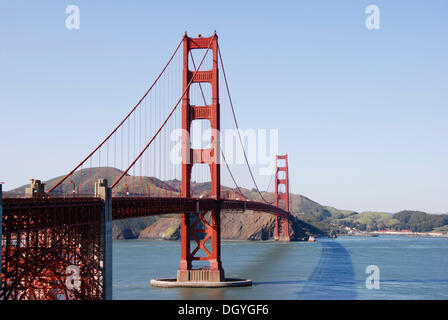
(418,221)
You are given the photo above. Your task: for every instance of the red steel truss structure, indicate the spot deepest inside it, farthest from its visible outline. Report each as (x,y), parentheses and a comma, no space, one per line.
(41,239)
(56,233)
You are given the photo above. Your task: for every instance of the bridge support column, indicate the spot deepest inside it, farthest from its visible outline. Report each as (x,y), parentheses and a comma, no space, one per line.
(104,192)
(35,190)
(282,197)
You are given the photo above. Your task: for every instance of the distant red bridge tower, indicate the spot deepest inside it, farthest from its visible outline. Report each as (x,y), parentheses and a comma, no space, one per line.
(282,197)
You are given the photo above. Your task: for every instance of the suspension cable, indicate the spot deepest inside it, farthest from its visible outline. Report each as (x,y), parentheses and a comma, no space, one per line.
(121,123)
(167,118)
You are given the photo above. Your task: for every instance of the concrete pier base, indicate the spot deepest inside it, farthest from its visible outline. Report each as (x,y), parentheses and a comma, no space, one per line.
(173,283)
(200,275)
(200,278)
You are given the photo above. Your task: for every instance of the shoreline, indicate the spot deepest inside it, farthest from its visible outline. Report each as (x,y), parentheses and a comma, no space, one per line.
(395,233)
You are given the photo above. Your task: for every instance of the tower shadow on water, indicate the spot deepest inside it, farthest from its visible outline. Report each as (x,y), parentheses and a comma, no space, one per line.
(333,278)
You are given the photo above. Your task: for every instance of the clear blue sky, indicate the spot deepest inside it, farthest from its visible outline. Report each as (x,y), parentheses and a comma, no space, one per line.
(362,114)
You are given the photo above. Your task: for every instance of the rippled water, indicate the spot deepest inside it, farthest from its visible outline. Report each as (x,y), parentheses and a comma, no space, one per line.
(410,268)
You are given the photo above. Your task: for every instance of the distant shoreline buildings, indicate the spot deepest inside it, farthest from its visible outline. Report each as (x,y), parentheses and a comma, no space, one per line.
(411,233)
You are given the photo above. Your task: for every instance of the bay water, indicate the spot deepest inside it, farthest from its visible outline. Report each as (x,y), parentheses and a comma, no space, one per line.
(406,268)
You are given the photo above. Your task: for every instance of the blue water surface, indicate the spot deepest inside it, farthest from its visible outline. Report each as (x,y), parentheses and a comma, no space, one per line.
(410,268)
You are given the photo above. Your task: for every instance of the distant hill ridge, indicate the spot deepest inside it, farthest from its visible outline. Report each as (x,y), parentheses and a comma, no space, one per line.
(82,180)
(311,218)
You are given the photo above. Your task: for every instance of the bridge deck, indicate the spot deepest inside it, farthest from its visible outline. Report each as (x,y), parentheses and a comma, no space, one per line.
(130,207)
(123,208)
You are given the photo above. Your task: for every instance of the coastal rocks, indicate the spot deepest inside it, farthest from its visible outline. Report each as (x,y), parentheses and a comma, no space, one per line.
(165,228)
(300,230)
(332,234)
(130,228)
(247,226)
(122,233)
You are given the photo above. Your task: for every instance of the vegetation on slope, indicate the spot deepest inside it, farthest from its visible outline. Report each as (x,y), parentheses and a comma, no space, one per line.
(418,221)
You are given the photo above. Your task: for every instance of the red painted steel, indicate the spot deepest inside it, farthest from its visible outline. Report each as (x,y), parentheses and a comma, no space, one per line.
(201,225)
(41,239)
(282,223)
(43,236)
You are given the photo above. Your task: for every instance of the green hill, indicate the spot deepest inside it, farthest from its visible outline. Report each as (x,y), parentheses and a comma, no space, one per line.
(418,221)
(370,219)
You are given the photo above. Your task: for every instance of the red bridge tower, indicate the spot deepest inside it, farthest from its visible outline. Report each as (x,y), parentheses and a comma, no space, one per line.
(282,197)
(201,226)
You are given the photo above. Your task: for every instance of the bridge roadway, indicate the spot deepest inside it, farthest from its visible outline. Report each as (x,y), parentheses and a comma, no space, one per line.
(123,208)
(43,213)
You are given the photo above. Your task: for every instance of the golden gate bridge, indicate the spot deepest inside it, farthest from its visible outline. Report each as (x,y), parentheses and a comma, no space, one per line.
(70,224)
